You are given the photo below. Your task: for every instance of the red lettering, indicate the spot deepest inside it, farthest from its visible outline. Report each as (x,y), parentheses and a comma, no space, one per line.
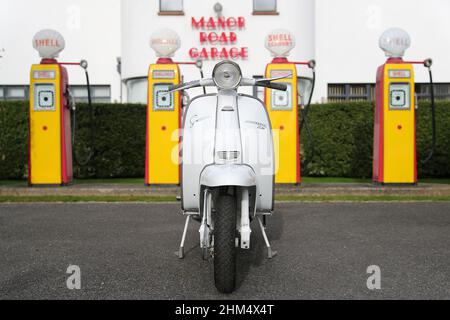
(203,37)
(221,22)
(198,24)
(244,53)
(231,23)
(211,24)
(214,53)
(193,53)
(204,54)
(223,38)
(241,22)
(234,53)
(233,37)
(223,54)
(213,37)
(47,43)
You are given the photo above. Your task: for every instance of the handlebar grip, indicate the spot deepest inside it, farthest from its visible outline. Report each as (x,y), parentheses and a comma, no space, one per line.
(272,85)
(176,87)
(277,86)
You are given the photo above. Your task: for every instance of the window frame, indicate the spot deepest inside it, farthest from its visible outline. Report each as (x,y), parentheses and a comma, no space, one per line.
(265,12)
(6,88)
(171,12)
(421,91)
(94,96)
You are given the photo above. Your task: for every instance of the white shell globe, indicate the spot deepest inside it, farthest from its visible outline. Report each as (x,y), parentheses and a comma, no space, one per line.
(165,42)
(280,42)
(394,42)
(49,43)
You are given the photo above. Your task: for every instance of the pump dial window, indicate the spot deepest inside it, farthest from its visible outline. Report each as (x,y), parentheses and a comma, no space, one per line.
(399,96)
(162,101)
(282,100)
(44,97)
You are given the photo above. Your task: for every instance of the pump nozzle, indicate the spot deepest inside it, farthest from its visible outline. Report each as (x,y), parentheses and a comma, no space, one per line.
(428,63)
(84,64)
(199,64)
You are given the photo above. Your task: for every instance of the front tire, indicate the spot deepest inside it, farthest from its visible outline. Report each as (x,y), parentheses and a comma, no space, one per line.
(224,244)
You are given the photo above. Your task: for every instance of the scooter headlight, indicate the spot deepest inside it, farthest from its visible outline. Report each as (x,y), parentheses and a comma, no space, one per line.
(227,75)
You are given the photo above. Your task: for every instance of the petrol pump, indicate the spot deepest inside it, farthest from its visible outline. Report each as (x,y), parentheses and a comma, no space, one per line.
(50,134)
(394,149)
(283,106)
(162,165)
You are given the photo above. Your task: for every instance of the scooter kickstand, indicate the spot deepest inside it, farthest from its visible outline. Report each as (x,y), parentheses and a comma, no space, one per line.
(270,253)
(180,252)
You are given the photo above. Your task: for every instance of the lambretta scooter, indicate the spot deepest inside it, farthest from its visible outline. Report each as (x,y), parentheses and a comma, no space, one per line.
(227,167)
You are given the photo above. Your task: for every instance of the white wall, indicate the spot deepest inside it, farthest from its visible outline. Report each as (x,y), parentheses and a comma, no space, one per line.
(342,36)
(91,30)
(140,18)
(347,33)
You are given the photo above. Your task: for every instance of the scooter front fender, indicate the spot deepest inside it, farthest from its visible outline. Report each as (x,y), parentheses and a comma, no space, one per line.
(228,175)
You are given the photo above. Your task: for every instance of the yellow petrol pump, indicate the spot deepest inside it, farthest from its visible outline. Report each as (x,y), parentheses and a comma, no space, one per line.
(394,150)
(163,122)
(51,133)
(162,164)
(50,146)
(282,106)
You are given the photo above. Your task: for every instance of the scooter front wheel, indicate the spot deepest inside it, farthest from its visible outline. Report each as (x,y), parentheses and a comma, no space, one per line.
(224,244)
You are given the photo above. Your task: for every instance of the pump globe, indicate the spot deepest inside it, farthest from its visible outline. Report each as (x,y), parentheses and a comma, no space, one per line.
(394,42)
(165,42)
(280,42)
(49,43)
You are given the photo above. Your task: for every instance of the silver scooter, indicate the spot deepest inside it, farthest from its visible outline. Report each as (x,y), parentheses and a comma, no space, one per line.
(228,167)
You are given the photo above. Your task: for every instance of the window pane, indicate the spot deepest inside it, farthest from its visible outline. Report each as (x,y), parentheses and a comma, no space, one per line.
(170,5)
(16,92)
(1,92)
(79,92)
(304,88)
(101,92)
(137,90)
(264,5)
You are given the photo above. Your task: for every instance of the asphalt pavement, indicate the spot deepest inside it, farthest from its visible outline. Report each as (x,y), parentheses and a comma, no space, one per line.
(126,251)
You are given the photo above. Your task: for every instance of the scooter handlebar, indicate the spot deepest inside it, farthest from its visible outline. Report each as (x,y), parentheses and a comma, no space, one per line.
(267,83)
(245,82)
(272,85)
(191,84)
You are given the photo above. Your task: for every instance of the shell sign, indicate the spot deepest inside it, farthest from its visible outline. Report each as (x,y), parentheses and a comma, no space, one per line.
(280,42)
(49,43)
(165,42)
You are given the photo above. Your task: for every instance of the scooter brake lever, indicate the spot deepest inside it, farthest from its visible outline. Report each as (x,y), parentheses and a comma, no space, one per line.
(274,78)
(191,84)
(183,86)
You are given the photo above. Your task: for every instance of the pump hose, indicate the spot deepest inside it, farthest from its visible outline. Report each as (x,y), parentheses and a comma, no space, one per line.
(91,120)
(433,119)
(304,123)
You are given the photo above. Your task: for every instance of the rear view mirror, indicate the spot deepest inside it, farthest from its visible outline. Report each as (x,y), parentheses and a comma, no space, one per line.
(185,99)
(304,86)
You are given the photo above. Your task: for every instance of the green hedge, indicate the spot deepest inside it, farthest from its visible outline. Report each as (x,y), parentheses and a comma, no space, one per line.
(342,135)
(343,140)
(119,140)
(13,139)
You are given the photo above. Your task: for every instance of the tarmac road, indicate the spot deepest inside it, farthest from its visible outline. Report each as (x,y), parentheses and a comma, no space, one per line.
(125,251)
